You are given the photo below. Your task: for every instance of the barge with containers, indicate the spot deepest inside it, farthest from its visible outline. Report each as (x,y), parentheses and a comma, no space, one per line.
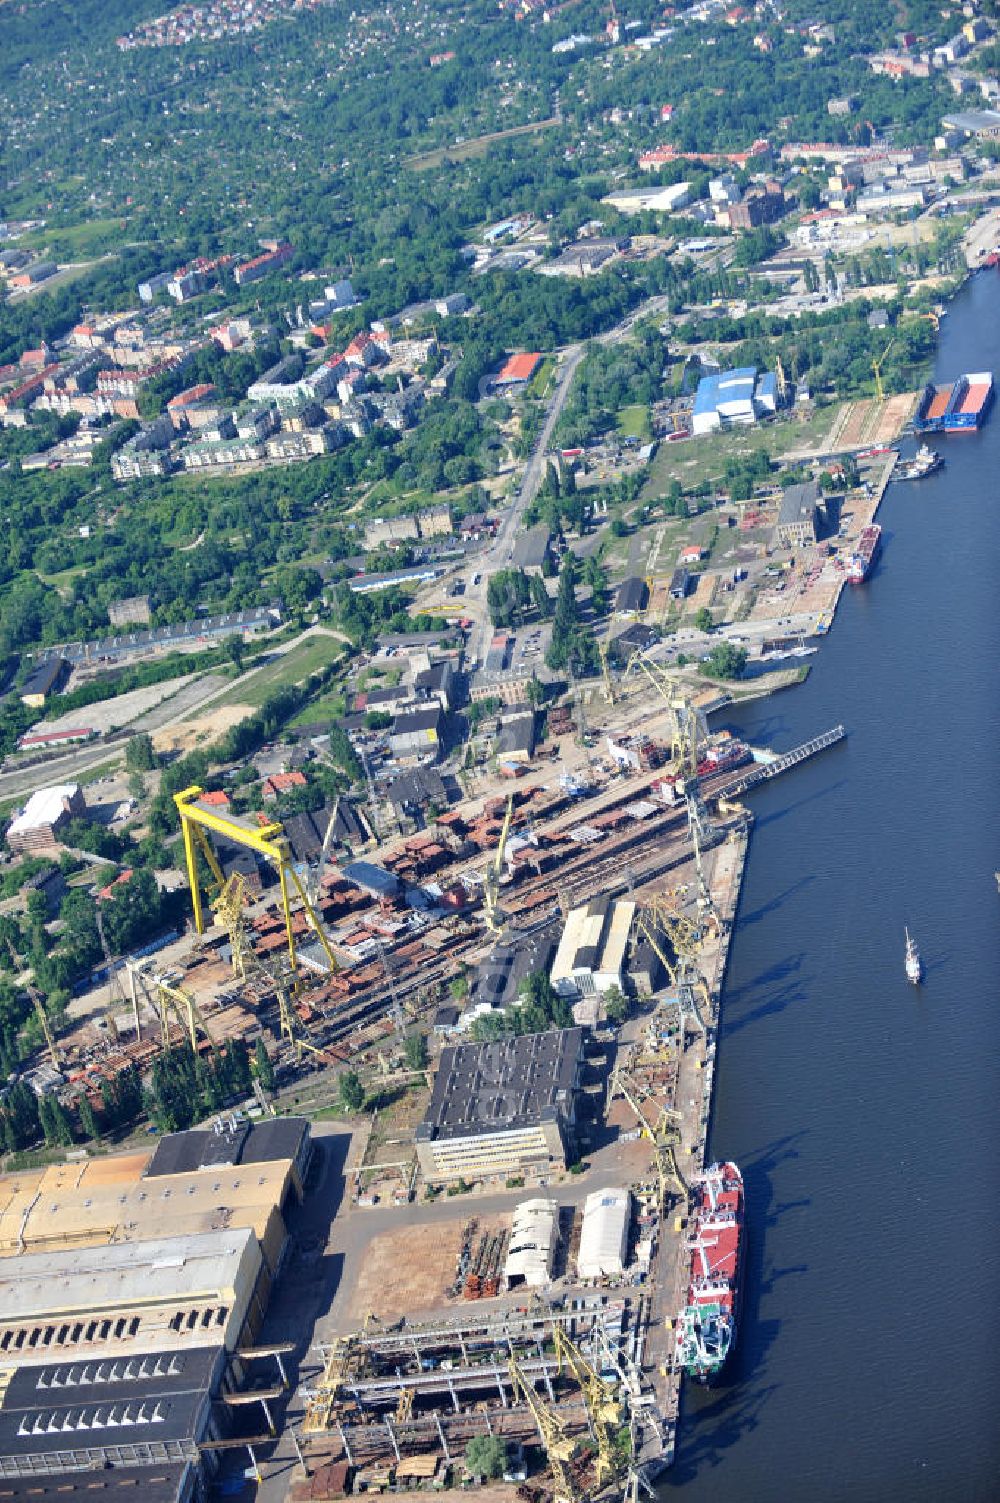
(957,406)
(862,560)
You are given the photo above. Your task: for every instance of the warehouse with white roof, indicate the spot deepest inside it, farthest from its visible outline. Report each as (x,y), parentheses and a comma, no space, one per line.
(604,1237)
(591,953)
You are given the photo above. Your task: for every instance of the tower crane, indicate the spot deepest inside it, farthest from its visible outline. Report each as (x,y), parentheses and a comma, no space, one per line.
(662,1133)
(558,1445)
(688,728)
(116,992)
(877,368)
(491,880)
(601,1398)
(228,909)
(40,1013)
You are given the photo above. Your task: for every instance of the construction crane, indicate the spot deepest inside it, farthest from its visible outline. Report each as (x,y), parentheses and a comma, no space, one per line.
(491,878)
(116,992)
(312,888)
(602,650)
(662,1133)
(781,382)
(558,1445)
(604,1407)
(688,728)
(40,1013)
(877,368)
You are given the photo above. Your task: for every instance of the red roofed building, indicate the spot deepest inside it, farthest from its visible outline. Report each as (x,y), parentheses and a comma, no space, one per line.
(282,782)
(518,370)
(119,881)
(215,800)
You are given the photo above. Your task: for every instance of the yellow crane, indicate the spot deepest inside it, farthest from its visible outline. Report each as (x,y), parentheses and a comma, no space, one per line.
(604,1407)
(558,1445)
(267,840)
(662,1134)
(491,878)
(40,1013)
(167,1000)
(877,368)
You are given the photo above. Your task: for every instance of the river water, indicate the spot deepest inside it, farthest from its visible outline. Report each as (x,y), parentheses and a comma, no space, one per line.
(862,1111)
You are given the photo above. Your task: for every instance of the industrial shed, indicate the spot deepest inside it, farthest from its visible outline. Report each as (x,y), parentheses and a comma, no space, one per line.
(604,1238)
(531,1251)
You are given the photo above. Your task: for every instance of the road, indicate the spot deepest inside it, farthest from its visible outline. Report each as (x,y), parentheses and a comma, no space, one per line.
(496,555)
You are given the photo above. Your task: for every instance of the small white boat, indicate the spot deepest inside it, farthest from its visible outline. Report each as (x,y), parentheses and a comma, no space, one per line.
(914,968)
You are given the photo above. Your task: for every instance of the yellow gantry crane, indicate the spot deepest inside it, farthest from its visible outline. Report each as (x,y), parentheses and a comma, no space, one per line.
(167,1001)
(604,1407)
(558,1445)
(491,879)
(267,840)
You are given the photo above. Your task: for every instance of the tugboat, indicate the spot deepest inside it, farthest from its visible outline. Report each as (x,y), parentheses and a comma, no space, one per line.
(924,462)
(914,968)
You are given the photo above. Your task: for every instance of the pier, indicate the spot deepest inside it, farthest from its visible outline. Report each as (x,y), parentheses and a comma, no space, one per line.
(765,770)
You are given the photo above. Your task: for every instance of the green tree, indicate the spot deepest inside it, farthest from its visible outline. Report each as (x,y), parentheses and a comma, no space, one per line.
(88,1118)
(615,1004)
(139,754)
(415,1051)
(234,649)
(725,661)
(486,1456)
(352,1092)
(263,1066)
(703,619)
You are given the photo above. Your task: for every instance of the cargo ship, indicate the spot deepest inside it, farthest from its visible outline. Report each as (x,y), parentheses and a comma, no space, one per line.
(957,407)
(862,560)
(924,462)
(707,1328)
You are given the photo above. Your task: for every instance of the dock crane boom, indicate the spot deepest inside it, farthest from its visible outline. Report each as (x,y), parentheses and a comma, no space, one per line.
(491,881)
(604,1407)
(877,368)
(662,1134)
(559,1447)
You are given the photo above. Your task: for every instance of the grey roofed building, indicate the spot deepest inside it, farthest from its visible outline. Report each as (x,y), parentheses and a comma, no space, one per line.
(531,549)
(635,638)
(798,514)
(500,1087)
(232,1142)
(372,878)
(63,1416)
(973,122)
(168,1482)
(412,790)
(498,978)
(438,681)
(44,677)
(516,737)
(680,584)
(632,597)
(307,832)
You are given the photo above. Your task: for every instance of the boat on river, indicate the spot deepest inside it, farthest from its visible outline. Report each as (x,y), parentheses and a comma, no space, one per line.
(914,967)
(924,462)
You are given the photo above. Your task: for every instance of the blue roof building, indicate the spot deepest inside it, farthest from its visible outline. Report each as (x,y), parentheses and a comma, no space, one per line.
(723,399)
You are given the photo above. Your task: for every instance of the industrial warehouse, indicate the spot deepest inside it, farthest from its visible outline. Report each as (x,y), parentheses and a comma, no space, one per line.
(132,1290)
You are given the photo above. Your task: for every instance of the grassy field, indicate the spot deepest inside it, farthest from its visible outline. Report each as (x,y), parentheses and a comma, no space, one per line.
(696,459)
(477,147)
(633,422)
(328,707)
(540,381)
(290,668)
